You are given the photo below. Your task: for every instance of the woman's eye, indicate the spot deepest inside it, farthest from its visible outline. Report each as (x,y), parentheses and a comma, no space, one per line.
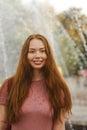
(43,51)
(31,51)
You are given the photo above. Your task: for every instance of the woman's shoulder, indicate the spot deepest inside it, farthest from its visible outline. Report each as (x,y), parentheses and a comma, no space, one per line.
(7,83)
(5,88)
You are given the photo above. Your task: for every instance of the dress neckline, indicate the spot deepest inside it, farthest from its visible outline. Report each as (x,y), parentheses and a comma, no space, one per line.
(40,80)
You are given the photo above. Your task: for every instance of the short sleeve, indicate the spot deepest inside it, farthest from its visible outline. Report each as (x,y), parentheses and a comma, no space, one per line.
(4,93)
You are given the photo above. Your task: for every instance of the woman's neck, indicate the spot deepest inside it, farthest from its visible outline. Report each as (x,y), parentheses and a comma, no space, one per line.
(37,75)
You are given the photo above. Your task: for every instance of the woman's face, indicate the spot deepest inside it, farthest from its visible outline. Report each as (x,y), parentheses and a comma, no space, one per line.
(37,54)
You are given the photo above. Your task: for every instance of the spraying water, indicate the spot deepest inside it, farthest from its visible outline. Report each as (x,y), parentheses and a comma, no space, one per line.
(3,56)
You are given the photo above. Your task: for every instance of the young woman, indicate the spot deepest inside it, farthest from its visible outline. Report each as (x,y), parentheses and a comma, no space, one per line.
(36,97)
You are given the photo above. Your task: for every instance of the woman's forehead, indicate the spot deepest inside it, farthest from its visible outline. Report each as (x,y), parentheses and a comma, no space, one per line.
(36,43)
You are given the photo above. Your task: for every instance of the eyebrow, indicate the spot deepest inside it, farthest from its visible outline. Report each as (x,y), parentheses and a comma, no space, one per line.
(35,48)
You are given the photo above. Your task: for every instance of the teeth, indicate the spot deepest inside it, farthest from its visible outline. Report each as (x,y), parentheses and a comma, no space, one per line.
(38,61)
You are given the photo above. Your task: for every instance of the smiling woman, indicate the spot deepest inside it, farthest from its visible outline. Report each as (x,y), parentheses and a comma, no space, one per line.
(36,97)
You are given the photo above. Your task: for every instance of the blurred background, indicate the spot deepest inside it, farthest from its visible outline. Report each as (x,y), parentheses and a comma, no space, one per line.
(64,23)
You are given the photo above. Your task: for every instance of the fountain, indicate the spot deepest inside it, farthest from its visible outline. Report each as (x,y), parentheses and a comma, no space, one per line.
(16,18)
(79,95)
(23,22)
(3,56)
(75,16)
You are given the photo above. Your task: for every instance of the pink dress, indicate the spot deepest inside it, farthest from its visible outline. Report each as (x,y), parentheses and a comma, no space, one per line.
(36,110)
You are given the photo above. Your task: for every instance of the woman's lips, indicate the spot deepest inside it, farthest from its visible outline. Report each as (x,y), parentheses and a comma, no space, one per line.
(37,62)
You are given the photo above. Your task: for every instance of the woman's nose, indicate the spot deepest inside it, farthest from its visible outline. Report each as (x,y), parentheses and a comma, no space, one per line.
(37,54)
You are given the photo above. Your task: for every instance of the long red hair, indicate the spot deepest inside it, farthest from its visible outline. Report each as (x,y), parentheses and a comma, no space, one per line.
(23,77)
